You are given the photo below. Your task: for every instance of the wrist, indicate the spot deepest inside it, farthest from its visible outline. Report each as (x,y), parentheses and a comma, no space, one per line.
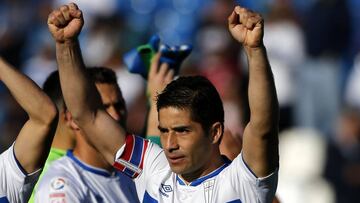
(250,51)
(67,42)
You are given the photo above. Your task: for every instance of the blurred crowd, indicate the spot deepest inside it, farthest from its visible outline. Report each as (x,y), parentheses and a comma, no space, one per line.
(313,47)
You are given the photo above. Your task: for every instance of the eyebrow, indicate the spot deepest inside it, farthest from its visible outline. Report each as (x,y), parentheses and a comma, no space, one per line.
(177,128)
(161,128)
(181,128)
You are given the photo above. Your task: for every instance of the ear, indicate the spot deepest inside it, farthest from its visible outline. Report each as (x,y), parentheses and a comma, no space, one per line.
(216,132)
(70,122)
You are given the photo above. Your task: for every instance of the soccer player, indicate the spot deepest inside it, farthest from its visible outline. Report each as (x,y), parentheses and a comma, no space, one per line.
(190,167)
(21,164)
(83,175)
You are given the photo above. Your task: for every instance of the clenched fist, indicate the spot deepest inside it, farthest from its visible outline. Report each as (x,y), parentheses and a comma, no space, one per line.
(247,27)
(65,23)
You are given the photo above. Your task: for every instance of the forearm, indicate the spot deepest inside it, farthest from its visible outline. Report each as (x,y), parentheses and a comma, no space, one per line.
(260,142)
(80,94)
(262,93)
(84,102)
(33,141)
(29,96)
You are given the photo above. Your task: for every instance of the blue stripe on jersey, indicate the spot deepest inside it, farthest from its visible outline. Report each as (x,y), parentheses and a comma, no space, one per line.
(137,152)
(202,179)
(136,155)
(148,198)
(97,171)
(129,172)
(235,201)
(4,200)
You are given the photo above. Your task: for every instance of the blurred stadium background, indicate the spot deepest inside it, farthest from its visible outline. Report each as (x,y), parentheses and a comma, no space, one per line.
(313,47)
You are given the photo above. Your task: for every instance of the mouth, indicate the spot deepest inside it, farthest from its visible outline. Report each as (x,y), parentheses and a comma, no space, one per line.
(175,160)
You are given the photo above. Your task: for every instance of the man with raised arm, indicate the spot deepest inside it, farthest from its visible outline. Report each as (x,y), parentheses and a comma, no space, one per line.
(21,164)
(190,168)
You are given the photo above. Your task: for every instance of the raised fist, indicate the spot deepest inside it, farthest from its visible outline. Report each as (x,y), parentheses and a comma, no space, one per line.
(65,23)
(247,27)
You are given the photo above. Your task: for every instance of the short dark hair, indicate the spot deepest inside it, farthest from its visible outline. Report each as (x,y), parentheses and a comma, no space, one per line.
(102,75)
(52,85)
(197,94)
(52,88)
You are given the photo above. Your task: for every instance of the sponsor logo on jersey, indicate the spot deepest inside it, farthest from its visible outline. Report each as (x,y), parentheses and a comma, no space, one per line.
(57,184)
(58,197)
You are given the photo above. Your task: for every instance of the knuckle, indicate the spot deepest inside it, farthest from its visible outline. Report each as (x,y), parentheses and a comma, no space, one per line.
(64,8)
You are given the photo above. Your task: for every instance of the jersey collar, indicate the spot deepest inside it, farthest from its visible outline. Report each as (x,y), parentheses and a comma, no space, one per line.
(206,177)
(87,167)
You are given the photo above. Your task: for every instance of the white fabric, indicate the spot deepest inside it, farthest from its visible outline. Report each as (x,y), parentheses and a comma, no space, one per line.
(233,182)
(15,184)
(70,180)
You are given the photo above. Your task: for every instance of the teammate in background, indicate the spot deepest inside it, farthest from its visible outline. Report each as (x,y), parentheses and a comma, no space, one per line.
(83,175)
(190,168)
(21,164)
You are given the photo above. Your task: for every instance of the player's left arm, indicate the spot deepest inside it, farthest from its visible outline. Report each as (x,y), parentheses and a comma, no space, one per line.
(33,143)
(260,141)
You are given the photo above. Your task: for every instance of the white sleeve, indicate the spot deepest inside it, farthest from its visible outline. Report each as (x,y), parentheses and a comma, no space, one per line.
(58,188)
(248,185)
(16,185)
(140,159)
(136,155)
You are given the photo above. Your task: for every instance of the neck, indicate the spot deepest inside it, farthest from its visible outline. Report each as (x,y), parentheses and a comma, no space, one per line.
(89,155)
(64,138)
(214,163)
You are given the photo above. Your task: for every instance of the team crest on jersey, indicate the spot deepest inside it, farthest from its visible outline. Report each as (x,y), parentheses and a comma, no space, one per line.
(58,183)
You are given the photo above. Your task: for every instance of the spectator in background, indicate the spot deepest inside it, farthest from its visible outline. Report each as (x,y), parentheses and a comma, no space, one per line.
(318,83)
(343,157)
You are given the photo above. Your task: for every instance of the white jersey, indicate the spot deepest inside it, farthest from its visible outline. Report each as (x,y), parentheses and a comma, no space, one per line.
(15,184)
(72,181)
(155,182)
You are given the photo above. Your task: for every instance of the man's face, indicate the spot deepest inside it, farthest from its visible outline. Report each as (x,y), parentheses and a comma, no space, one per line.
(187,147)
(113,101)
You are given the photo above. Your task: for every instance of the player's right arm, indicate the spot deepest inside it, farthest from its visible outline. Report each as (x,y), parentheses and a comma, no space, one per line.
(80,93)
(34,140)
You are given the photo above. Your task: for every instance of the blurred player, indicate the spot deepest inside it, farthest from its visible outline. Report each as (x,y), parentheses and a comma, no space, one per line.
(21,164)
(83,175)
(190,168)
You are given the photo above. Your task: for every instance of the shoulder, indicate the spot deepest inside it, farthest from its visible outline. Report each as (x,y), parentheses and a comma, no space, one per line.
(61,170)
(58,184)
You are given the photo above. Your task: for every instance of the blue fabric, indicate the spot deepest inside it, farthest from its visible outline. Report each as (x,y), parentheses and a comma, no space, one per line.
(85,167)
(235,201)
(148,198)
(4,200)
(138,60)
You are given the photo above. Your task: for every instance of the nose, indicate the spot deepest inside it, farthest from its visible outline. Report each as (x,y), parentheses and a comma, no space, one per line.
(171,142)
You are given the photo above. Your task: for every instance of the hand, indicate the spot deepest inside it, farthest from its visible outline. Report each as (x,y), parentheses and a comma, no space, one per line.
(158,77)
(247,27)
(65,23)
